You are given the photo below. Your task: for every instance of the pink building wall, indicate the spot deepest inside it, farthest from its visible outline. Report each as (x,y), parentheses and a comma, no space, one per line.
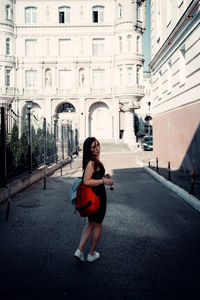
(177,137)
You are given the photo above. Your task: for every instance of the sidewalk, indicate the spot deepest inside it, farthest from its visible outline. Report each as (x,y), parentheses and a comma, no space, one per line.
(181,179)
(149,247)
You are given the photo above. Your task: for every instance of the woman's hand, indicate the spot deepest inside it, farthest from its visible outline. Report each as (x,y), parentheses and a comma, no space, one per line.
(107,176)
(108,181)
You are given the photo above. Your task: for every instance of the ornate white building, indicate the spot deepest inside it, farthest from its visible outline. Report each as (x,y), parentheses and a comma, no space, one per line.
(176,82)
(79,59)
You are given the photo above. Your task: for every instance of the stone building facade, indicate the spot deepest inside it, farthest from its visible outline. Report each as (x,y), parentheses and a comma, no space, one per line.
(80,59)
(176,82)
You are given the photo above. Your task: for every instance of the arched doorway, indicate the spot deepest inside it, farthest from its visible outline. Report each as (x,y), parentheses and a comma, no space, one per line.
(100,121)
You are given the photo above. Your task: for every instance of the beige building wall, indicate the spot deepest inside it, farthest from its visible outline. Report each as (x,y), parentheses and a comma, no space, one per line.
(86,54)
(176,83)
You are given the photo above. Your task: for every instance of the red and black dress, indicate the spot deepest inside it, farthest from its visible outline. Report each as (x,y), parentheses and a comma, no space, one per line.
(100,191)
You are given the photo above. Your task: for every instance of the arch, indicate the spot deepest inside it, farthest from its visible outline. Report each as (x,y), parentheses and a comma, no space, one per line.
(65,107)
(100,121)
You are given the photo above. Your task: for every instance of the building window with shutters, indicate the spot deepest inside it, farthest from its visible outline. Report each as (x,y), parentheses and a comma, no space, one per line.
(98,47)
(98,78)
(30,48)
(120,45)
(30,15)
(30,78)
(65,47)
(182,68)
(7,76)
(8,46)
(8,12)
(119,11)
(129,43)
(98,14)
(64,14)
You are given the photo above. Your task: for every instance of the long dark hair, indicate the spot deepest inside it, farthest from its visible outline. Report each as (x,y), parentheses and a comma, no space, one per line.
(88,155)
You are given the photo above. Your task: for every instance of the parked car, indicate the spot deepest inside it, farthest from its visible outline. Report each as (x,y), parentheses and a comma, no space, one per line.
(147,143)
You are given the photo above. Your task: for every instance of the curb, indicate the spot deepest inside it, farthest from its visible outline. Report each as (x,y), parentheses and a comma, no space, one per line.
(190,199)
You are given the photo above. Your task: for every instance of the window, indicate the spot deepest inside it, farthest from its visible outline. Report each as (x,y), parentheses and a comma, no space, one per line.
(8,12)
(65,79)
(7,78)
(30,15)
(120,76)
(129,75)
(139,15)
(138,45)
(169,12)
(159,85)
(120,44)
(182,66)
(65,47)
(129,43)
(138,74)
(98,14)
(180,2)
(31,78)
(98,78)
(64,13)
(119,11)
(8,46)
(169,77)
(66,107)
(30,48)
(98,46)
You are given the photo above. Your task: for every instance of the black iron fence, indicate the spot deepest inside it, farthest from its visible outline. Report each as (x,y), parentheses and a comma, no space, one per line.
(29,142)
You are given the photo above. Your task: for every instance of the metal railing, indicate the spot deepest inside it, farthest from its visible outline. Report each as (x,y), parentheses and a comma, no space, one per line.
(28,142)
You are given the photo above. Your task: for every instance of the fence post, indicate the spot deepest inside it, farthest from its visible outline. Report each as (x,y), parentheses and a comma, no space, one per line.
(9,199)
(192,181)
(169,171)
(45,150)
(62,142)
(3,160)
(157,164)
(29,140)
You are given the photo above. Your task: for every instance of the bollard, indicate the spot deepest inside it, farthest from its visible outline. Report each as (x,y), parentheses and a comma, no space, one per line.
(157,164)
(192,182)
(45,177)
(8,204)
(149,164)
(169,171)
(61,168)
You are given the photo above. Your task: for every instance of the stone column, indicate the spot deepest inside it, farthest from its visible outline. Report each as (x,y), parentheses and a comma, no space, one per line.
(129,133)
(134,11)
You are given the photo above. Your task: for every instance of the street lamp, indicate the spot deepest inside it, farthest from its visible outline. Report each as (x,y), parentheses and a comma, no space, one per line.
(29,103)
(55,119)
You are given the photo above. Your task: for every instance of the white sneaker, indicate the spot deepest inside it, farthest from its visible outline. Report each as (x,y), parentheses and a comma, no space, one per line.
(78,254)
(91,258)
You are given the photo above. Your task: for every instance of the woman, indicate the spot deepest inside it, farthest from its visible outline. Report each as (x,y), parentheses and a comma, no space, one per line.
(94,176)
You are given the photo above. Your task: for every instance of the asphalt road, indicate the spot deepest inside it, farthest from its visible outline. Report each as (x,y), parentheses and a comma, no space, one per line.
(149,247)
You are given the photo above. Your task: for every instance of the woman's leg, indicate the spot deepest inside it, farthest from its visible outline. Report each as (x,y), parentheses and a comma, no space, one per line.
(85,234)
(97,229)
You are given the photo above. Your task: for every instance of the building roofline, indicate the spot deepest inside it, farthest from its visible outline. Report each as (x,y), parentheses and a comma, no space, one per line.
(186,16)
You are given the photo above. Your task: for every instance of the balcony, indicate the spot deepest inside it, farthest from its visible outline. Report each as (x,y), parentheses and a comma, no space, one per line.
(135,90)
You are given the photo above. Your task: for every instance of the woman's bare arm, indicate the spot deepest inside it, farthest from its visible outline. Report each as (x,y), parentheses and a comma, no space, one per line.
(87,179)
